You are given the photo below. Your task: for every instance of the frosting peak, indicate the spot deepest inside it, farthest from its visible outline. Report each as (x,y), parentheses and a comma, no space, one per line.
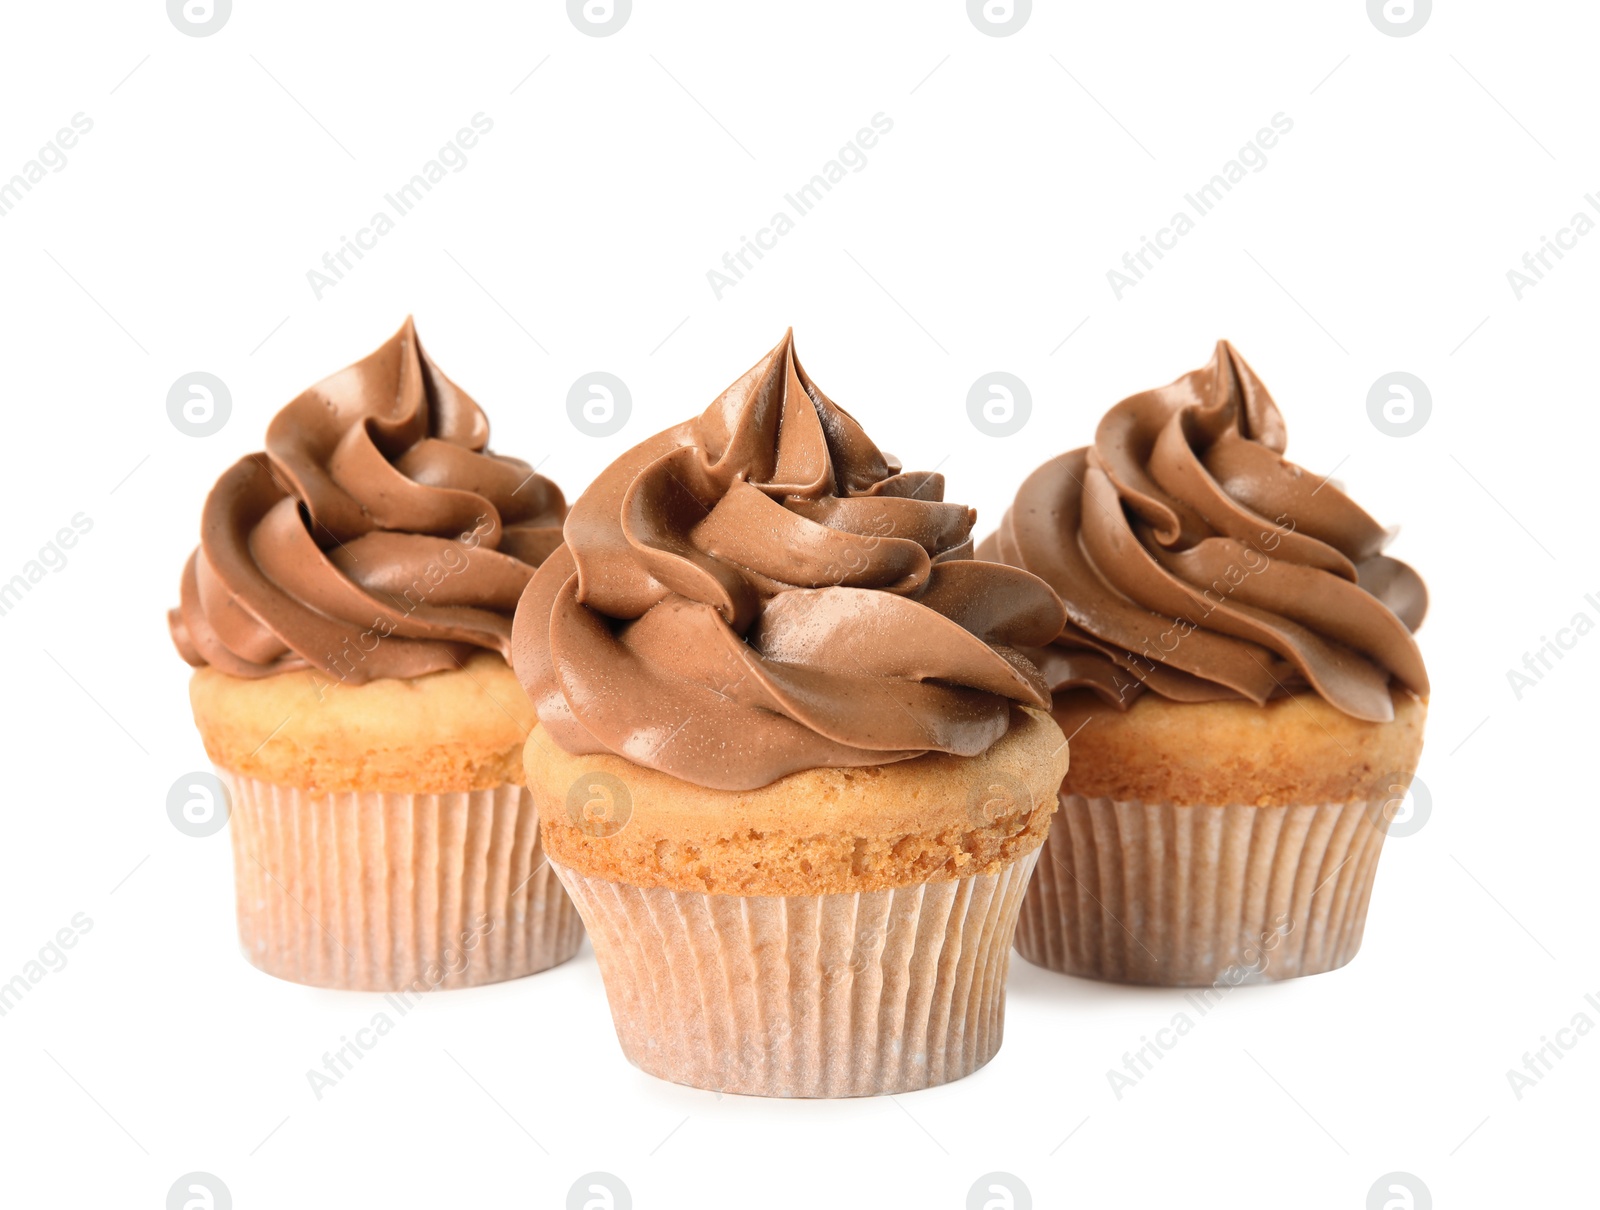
(377,536)
(760,590)
(1195,561)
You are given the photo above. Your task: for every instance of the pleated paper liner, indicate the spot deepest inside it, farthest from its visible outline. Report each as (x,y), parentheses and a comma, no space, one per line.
(1193,896)
(807,996)
(384,892)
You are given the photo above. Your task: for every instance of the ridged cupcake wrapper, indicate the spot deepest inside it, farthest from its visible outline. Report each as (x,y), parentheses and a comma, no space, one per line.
(384,892)
(1191,896)
(807,996)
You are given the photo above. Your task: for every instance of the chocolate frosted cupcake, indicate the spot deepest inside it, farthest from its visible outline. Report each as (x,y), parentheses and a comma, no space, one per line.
(790,764)
(349,612)
(1241,685)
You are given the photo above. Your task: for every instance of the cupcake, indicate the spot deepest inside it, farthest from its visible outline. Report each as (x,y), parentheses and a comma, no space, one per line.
(1240,683)
(790,764)
(349,612)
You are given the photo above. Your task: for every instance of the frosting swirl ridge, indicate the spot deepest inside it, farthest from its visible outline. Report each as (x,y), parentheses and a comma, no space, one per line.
(1196,562)
(761,590)
(376,536)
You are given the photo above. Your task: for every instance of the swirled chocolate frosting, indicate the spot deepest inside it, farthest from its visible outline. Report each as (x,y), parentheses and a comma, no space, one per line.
(1196,562)
(760,590)
(376,536)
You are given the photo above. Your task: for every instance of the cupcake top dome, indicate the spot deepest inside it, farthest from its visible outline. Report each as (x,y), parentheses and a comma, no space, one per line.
(376,536)
(760,590)
(1197,563)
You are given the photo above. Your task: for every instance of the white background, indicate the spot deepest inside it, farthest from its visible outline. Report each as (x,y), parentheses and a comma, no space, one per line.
(977,237)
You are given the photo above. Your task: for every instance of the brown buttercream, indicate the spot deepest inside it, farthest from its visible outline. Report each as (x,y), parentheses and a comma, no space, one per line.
(376,536)
(1196,562)
(760,590)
